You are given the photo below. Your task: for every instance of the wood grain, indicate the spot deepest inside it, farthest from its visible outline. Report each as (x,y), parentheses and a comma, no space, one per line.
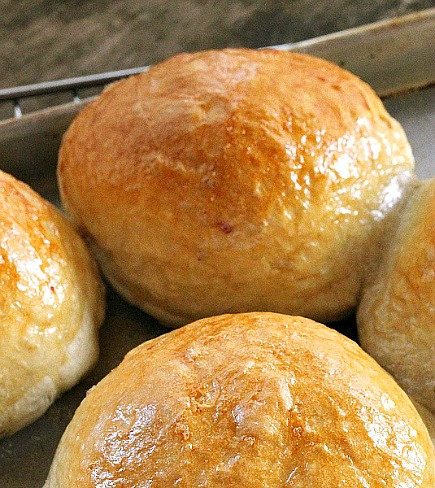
(46,39)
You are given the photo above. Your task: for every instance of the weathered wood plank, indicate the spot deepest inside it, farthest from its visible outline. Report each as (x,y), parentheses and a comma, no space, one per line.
(47,39)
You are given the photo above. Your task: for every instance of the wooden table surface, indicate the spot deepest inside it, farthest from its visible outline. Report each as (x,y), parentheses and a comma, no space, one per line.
(44,39)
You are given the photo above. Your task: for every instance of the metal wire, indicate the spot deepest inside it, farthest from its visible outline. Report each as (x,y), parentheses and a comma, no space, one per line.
(76,96)
(73,85)
(16,95)
(18,113)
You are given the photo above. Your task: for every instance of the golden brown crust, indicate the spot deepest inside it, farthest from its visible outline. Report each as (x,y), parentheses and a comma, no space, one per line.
(235,180)
(258,400)
(51,304)
(396,317)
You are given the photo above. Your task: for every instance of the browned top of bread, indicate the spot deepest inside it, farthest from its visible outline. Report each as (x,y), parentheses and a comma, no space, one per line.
(258,400)
(51,305)
(247,179)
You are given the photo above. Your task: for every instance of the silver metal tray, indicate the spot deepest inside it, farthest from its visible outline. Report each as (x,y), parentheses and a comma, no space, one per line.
(396,57)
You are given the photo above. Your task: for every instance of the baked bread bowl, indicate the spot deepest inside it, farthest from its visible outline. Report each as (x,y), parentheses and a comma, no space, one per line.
(246,400)
(51,305)
(235,180)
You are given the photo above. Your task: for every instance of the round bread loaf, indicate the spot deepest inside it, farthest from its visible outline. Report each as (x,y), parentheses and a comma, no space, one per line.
(235,180)
(51,305)
(248,400)
(396,317)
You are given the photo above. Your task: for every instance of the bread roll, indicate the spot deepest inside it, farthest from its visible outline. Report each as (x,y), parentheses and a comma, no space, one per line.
(248,400)
(235,180)
(51,304)
(396,317)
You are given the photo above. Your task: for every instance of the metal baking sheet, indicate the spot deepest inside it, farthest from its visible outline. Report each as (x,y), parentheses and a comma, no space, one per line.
(395,57)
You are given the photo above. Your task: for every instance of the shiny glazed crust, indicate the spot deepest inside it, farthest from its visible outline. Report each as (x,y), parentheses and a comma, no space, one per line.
(51,304)
(248,400)
(235,180)
(396,317)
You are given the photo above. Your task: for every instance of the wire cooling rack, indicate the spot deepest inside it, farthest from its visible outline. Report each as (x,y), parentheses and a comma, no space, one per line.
(392,55)
(74,89)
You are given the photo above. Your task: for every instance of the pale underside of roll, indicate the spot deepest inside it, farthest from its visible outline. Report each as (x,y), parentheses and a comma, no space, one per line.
(396,317)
